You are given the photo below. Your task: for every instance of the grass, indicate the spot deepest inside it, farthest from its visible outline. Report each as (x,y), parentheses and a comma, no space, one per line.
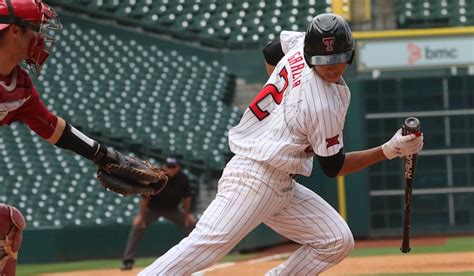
(36,269)
(464,244)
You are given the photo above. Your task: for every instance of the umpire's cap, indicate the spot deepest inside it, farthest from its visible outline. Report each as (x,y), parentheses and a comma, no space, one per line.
(328,40)
(171,161)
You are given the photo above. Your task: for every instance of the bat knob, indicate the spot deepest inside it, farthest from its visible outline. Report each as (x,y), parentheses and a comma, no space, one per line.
(405,250)
(412,124)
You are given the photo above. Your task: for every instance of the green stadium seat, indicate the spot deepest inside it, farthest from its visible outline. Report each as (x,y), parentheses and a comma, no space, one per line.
(217,24)
(160,101)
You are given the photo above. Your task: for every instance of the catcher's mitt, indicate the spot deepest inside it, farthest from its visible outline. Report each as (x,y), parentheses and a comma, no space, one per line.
(130,176)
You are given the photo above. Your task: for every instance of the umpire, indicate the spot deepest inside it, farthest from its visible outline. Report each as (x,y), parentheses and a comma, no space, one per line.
(165,204)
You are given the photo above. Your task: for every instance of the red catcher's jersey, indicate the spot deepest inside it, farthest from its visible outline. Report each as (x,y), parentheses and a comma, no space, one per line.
(19,101)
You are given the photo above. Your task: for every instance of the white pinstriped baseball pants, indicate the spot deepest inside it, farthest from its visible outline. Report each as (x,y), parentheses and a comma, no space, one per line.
(250,193)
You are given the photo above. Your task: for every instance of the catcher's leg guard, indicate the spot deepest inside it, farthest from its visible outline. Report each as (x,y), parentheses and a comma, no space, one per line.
(12,224)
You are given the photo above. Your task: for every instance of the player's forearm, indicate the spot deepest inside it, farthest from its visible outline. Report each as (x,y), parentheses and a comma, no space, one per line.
(58,131)
(187,205)
(70,138)
(143,205)
(359,160)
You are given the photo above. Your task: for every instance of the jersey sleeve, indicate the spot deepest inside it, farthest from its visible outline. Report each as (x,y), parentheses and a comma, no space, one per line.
(290,40)
(325,129)
(38,118)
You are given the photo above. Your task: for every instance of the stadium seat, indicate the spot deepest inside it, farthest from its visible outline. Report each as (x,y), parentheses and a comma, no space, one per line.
(217,23)
(159,101)
(434,13)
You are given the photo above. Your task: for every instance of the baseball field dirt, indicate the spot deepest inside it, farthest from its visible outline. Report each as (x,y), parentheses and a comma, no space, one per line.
(354,265)
(423,263)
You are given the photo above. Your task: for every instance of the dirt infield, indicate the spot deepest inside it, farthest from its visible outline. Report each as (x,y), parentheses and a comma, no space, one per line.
(400,263)
(446,262)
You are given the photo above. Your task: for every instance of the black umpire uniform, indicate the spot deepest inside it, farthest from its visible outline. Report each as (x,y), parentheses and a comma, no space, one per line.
(165,204)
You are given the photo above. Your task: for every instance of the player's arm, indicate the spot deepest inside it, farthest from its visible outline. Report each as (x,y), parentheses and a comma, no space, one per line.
(359,160)
(117,172)
(272,53)
(186,200)
(59,132)
(346,163)
(397,146)
(276,50)
(186,193)
(144,205)
(188,217)
(187,205)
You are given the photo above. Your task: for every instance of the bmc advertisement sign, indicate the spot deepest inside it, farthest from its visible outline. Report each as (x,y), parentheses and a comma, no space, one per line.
(415,53)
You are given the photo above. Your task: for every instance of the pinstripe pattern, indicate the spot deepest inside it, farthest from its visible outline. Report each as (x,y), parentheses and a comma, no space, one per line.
(309,114)
(248,192)
(256,186)
(325,237)
(251,193)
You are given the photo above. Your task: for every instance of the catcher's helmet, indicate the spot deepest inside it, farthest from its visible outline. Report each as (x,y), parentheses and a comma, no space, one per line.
(37,16)
(328,40)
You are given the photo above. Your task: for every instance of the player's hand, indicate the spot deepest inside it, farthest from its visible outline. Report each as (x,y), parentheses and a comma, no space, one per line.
(400,146)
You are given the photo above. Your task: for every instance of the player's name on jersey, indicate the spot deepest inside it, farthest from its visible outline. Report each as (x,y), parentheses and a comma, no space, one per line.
(296,62)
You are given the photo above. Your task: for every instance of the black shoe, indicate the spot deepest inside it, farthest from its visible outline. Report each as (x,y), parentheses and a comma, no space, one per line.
(127,265)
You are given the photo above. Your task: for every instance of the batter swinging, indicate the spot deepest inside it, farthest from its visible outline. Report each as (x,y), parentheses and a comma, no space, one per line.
(299,112)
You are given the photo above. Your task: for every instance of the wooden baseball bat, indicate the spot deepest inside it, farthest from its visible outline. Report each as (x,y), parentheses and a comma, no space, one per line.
(411,125)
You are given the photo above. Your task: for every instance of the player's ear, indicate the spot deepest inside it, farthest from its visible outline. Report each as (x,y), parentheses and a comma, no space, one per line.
(14,30)
(17,31)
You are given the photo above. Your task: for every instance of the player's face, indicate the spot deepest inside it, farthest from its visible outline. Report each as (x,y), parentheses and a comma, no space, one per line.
(25,42)
(331,72)
(21,38)
(171,170)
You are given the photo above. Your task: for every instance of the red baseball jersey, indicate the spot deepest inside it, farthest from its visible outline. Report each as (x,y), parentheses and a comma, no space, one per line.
(20,101)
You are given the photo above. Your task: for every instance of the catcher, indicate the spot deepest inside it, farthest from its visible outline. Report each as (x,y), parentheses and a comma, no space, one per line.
(27,29)
(12,224)
(27,35)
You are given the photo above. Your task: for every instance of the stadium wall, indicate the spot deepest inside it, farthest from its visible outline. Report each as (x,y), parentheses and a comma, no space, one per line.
(64,244)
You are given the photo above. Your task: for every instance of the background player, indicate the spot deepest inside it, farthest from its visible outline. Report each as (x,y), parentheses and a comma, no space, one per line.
(165,204)
(299,112)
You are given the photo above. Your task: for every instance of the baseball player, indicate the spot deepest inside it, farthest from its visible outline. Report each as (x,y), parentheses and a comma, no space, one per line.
(27,30)
(12,224)
(299,113)
(173,203)
(27,35)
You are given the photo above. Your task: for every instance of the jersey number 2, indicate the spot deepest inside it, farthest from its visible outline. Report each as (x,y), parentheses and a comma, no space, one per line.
(269,89)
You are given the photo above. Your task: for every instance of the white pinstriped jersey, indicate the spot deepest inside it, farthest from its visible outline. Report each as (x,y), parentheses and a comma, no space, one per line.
(295,112)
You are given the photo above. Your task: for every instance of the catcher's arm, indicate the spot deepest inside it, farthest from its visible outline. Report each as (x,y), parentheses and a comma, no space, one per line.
(116,171)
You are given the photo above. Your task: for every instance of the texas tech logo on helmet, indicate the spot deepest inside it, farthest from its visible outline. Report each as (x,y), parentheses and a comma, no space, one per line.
(329,42)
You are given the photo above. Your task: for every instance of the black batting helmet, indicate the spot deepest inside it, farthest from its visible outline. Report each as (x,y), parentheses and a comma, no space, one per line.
(328,40)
